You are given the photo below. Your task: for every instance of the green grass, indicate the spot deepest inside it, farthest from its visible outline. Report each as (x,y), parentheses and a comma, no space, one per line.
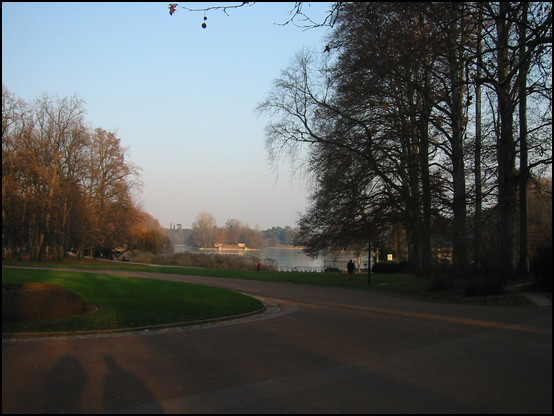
(129,302)
(135,302)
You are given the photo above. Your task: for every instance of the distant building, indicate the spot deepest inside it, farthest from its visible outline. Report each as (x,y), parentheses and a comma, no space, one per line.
(239,246)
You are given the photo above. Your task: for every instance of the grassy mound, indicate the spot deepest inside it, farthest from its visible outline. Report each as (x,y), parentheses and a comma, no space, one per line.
(125,302)
(34,301)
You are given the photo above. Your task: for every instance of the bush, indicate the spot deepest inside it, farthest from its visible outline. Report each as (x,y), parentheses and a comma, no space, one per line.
(388,267)
(441,275)
(485,284)
(541,267)
(206,260)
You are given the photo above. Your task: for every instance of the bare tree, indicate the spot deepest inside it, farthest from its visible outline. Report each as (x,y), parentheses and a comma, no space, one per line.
(297,14)
(393,101)
(504,68)
(205,230)
(395,94)
(235,229)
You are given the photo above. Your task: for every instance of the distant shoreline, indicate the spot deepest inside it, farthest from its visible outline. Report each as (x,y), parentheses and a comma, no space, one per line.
(238,248)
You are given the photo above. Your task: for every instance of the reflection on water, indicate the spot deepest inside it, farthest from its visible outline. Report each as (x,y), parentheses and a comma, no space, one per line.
(294,259)
(291,259)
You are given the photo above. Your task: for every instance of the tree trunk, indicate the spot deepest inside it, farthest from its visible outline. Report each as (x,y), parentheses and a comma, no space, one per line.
(523,161)
(478,144)
(457,148)
(507,181)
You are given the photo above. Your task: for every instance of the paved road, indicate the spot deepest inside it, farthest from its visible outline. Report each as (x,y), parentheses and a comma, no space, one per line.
(319,350)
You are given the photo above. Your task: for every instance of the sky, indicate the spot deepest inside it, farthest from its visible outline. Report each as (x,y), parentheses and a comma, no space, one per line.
(181,98)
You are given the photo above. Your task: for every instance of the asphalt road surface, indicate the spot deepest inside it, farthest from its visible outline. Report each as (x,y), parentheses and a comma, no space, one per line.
(315,350)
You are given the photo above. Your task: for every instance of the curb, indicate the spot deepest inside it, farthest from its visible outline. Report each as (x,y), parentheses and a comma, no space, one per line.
(267,309)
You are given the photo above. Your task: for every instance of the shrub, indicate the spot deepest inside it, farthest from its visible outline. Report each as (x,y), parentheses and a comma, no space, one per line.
(541,267)
(441,275)
(206,260)
(388,267)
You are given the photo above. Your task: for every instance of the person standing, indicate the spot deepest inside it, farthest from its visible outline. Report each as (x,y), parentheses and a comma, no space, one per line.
(350,267)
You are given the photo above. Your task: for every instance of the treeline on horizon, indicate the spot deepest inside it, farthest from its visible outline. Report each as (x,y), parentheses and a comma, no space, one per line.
(205,233)
(68,188)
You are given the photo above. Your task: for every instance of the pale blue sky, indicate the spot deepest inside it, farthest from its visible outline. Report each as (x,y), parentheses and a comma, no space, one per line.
(182,98)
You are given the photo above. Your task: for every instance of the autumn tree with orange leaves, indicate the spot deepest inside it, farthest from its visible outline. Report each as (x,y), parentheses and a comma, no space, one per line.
(65,187)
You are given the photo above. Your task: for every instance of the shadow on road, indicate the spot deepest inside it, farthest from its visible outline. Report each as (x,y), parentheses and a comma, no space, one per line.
(123,389)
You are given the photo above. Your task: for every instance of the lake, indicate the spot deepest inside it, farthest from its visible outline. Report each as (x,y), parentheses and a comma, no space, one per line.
(293,259)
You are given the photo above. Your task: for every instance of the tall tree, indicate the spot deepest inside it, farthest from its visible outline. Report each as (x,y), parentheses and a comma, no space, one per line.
(374,110)
(63,186)
(59,123)
(16,123)
(477,223)
(204,230)
(456,63)
(504,71)
(235,229)
(523,160)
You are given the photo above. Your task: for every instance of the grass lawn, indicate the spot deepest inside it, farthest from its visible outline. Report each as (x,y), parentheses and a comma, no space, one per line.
(128,302)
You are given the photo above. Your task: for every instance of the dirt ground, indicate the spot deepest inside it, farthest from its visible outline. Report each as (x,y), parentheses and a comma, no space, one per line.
(38,301)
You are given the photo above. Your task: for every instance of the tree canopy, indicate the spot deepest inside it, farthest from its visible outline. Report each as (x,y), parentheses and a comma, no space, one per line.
(65,186)
(385,120)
